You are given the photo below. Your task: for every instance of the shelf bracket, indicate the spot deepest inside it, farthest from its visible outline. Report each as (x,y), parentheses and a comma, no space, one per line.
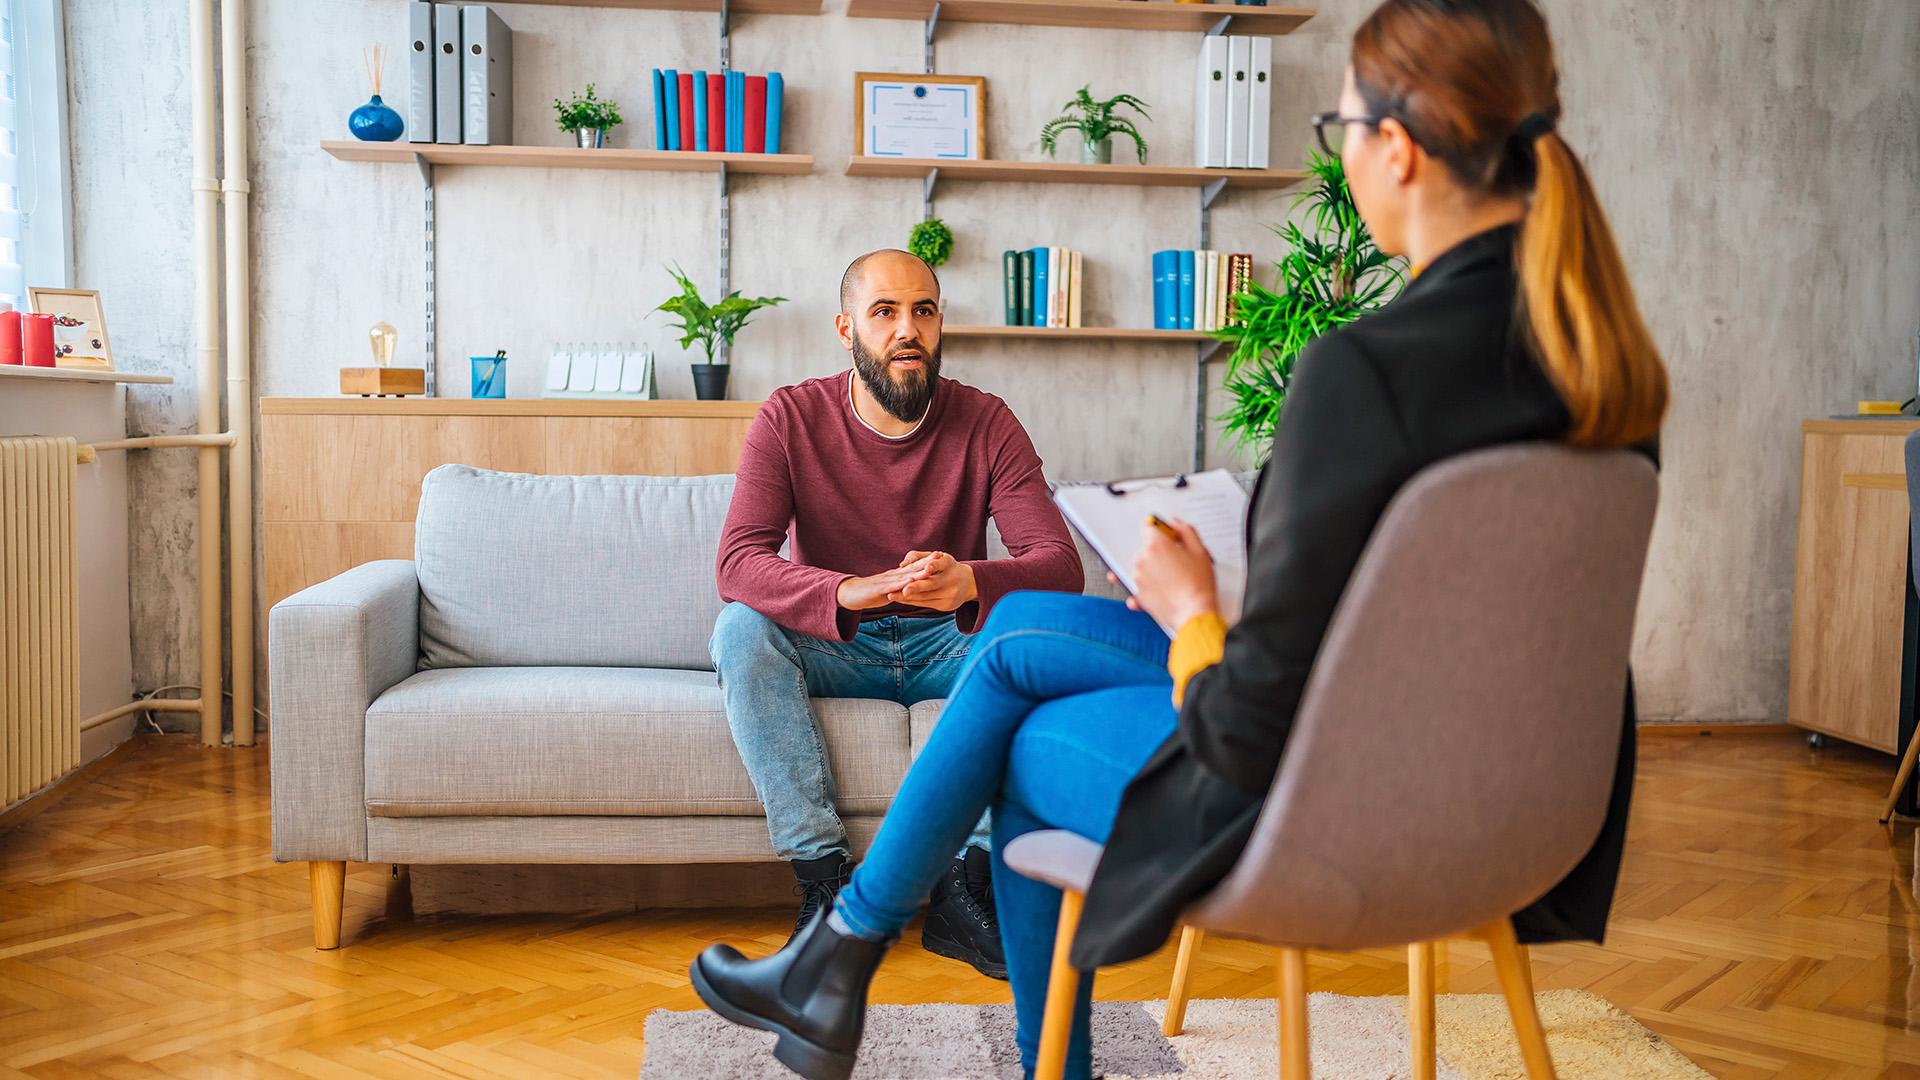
(1201,353)
(726,252)
(1211,192)
(430,348)
(933,24)
(926,193)
(726,31)
(1220,27)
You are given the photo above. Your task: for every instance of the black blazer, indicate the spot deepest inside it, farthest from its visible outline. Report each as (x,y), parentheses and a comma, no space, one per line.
(1438,372)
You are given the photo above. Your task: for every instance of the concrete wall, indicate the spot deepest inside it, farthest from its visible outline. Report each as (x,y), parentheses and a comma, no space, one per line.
(1760,158)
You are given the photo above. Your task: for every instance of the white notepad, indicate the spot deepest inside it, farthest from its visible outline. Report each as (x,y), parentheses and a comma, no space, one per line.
(1111,516)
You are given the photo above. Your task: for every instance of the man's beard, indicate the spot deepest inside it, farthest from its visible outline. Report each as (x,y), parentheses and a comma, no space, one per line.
(905,394)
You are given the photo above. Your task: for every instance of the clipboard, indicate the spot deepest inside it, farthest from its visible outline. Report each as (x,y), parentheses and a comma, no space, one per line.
(1110,517)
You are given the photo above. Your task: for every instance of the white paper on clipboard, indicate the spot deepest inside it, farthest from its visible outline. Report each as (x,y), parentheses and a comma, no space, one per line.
(1110,516)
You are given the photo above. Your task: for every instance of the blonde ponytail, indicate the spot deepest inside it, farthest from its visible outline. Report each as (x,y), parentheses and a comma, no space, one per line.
(1579,307)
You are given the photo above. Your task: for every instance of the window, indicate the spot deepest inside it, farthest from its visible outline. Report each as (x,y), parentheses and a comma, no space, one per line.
(34,173)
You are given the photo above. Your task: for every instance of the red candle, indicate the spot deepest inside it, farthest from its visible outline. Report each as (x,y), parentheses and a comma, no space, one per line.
(37,339)
(9,336)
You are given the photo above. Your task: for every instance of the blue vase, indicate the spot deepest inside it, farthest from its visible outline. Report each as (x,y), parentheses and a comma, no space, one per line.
(375,122)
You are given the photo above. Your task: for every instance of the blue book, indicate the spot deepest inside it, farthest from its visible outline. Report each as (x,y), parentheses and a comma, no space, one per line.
(672,100)
(699,110)
(659,112)
(1166,275)
(736,112)
(775,88)
(1183,287)
(1039,286)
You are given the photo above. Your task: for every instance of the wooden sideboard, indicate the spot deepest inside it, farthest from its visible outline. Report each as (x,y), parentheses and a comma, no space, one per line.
(340,477)
(1851,582)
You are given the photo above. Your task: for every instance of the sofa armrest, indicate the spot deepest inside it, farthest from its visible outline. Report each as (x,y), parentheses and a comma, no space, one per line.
(331,650)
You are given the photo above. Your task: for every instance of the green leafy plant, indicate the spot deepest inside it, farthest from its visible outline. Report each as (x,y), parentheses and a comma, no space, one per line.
(932,241)
(588,112)
(1331,275)
(710,324)
(1095,120)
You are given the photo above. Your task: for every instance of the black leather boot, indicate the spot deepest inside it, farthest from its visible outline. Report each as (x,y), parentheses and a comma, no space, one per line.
(961,921)
(820,881)
(813,994)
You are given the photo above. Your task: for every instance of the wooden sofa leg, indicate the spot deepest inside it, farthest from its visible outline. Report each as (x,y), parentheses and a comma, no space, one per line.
(1516,981)
(1175,1021)
(329,881)
(1295,1059)
(1420,1009)
(1063,993)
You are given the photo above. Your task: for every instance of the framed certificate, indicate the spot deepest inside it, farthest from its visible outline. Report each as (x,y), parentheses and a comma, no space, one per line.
(920,116)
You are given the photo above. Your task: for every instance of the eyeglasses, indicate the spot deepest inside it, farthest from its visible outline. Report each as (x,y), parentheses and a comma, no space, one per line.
(1331,128)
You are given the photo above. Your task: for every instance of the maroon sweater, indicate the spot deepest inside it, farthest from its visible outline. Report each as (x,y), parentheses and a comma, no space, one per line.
(854,502)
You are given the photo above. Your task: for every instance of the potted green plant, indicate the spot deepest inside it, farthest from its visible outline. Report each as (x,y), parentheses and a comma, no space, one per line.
(932,241)
(1331,275)
(1097,123)
(588,117)
(710,324)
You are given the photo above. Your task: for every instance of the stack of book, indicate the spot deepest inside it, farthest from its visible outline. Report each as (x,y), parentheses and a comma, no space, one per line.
(729,111)
(1042,286)
(1193,290)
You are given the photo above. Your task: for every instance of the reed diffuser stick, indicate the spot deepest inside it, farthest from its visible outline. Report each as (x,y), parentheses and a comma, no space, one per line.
(375,58)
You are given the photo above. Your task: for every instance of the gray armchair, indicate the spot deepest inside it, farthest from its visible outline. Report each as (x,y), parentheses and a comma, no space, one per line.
(1499,592)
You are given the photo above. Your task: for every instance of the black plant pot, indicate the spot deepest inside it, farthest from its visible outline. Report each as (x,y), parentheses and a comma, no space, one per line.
(710,381)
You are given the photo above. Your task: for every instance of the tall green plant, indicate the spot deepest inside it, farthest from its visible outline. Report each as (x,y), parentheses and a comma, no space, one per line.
(710,324)
(1331,275)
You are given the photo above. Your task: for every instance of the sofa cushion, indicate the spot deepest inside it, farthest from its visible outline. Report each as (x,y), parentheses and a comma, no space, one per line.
(596,741)
(613,571)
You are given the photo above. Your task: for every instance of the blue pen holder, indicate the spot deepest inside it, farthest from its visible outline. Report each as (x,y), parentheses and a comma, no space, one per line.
(489,376)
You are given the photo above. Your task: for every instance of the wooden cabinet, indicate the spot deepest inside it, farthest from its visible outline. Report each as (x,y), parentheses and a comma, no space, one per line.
(340,477)
(1850,581)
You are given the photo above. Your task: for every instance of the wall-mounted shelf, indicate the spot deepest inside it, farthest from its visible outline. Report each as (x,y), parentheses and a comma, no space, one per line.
(709,7)
(1108,14)
(569,157)
(46,374)
(1079,333)
(1072,172)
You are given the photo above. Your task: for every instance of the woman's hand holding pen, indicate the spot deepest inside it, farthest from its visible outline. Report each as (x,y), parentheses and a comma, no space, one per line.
(1173,574)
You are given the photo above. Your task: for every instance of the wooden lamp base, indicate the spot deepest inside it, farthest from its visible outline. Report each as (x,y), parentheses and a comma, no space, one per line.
(382,381)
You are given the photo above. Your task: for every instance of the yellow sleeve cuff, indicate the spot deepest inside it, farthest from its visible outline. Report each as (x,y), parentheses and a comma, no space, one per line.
(1198,646)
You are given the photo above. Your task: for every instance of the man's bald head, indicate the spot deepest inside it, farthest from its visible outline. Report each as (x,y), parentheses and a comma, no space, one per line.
(887,259)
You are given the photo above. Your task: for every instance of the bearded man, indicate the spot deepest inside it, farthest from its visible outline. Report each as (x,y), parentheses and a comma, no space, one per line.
(882,480)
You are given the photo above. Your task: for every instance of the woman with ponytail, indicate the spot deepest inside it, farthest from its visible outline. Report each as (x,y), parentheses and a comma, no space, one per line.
(1519,325)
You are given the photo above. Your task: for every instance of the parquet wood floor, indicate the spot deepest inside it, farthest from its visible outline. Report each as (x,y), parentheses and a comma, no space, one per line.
(1765,925)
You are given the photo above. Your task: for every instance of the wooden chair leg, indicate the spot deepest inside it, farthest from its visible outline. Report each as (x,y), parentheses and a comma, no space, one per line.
(1176,1018)
(1516,981)
(1063,992)
(1295,1061)
(1900,777)
(1420,1009)
(329,883)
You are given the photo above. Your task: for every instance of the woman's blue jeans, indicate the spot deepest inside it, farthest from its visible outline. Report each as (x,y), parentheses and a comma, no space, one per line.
(1061,702)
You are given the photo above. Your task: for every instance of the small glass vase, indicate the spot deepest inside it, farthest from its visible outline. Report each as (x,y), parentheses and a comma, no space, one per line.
(375,122)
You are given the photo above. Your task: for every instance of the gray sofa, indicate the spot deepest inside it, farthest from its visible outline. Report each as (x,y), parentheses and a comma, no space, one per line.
(534,687)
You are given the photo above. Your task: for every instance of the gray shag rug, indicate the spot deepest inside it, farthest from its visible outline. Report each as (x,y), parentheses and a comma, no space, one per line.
(1351,1037)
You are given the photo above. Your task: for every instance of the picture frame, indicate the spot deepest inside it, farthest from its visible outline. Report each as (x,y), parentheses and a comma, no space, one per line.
(912,115)
(79,326)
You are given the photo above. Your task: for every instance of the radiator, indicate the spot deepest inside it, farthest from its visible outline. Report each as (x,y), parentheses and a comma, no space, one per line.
(39,616)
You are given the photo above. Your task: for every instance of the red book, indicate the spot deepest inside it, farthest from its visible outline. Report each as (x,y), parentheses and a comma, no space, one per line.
(756,114)
(686,111)
(716,112)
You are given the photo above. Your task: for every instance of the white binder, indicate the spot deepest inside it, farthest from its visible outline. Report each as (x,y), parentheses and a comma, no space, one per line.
(419,71)
(1239,54)
(1210,105)
(486,65)
(1260,111)
(446,73)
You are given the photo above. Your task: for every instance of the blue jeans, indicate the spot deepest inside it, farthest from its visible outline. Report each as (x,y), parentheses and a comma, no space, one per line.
(768,672)
(1063,700)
